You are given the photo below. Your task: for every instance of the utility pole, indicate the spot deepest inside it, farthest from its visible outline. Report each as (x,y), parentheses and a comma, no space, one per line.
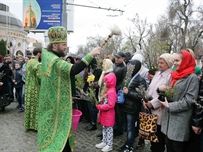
(64,14)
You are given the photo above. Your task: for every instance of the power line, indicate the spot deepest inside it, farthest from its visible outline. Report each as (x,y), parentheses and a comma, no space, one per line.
(109,9)
(92,3)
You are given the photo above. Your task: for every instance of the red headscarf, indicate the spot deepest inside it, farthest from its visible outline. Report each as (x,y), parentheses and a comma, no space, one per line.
(1,59)
(186,68)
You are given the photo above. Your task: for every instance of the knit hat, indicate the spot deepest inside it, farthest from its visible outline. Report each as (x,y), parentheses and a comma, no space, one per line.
(168,58)
(138,57)
(57,34)
(128,56)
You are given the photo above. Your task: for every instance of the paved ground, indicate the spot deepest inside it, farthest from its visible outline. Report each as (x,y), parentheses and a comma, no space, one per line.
(13,138)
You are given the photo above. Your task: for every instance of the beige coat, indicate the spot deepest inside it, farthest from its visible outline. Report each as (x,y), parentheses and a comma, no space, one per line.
(159,79)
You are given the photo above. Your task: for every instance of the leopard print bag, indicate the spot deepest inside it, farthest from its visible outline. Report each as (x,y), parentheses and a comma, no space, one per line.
(148,126)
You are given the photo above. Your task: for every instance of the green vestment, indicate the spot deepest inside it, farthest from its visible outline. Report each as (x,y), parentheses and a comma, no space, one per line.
(55,104)
(32,86)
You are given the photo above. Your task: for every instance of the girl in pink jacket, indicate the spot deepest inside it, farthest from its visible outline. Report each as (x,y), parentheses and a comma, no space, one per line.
(108,99)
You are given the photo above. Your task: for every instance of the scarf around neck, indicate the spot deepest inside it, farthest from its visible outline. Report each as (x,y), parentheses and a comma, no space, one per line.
(186,68)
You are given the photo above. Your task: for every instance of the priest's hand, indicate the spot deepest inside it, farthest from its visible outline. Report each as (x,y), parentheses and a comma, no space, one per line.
(96,51)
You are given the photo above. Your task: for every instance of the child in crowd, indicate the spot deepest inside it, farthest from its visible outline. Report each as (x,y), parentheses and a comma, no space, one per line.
(108,99)
(20,59)
(18,84)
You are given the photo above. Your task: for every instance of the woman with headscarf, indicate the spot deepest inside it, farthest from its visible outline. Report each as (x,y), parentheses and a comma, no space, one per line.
(198,70)
(132,104)
(143,70)
(177,112)
(165,62)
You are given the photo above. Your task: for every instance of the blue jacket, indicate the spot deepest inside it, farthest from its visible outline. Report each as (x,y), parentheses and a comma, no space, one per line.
(17,76)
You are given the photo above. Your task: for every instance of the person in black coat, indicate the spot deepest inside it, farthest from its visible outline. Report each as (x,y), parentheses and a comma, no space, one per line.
(132,104)
(119,68)
(4,87)
(196,140)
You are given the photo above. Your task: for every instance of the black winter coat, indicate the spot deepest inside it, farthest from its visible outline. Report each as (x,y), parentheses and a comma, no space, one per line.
(120,72)
(5,71)
(132,102)
(197,118)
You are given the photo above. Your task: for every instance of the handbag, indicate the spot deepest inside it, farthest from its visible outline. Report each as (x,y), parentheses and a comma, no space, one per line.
(148,126)
(120,97)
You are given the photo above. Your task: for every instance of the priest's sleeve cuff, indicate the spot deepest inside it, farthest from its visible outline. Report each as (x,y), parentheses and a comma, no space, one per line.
(87,59)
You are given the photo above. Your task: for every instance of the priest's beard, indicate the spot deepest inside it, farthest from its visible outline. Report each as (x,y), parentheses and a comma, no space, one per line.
(60,52)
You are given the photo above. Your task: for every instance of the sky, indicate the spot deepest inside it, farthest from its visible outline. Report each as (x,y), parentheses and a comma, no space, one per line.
(90,22)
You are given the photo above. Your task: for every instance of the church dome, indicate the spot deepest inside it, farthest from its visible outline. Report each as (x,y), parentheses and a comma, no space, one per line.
(6,16)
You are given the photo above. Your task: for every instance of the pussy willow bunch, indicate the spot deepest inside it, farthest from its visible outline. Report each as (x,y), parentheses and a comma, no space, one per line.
(99,63)
(91,95)
(79,81)
(129,72)
(115,30)
(143,93)
(79,85)
(170,92)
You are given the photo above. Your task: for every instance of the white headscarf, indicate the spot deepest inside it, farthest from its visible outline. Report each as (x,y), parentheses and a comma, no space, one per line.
(107,67)
(138,57)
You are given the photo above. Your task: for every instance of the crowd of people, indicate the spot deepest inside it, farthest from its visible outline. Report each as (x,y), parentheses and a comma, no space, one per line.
(45,87)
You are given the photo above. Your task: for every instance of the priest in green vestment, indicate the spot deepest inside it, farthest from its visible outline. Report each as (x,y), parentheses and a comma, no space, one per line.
(55,132)
(32,86)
